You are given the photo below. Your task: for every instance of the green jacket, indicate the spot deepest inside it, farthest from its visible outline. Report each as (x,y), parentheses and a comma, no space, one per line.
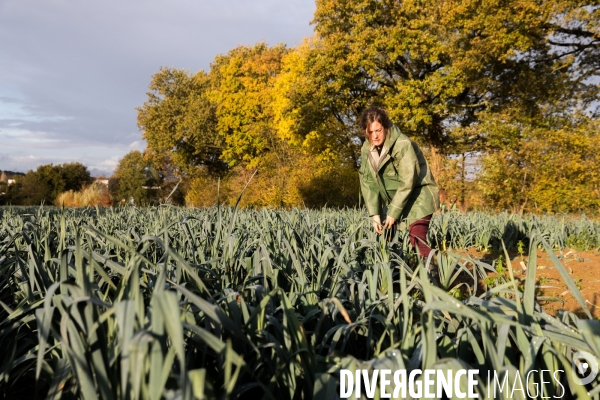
(401,181)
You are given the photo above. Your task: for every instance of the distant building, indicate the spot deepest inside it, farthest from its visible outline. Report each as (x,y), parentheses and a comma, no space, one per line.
(11,181)
(102,181)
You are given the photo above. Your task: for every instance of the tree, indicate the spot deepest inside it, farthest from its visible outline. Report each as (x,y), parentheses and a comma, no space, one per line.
(437,65)
(31,189)
(178,122)
(218,119)
(458,76)
(233,107)
(75,176)
(305,182)
(45,183)
(543,167)
(134,178)
(48,180)
(303,112)
(3,193)
(242,83)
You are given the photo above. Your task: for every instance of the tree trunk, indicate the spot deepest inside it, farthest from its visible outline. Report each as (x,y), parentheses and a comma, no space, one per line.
(437,162)
(436,142)
(462,179)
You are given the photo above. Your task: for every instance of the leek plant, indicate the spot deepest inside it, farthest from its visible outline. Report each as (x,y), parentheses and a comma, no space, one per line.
(220,303)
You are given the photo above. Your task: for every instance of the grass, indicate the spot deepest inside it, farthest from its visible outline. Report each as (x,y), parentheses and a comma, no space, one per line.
(95,194)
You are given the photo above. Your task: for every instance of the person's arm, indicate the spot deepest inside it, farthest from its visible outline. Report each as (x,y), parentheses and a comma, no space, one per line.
(369,189)
(408,172)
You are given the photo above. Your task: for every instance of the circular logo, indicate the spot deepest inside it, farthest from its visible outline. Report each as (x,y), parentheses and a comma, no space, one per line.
(585,368)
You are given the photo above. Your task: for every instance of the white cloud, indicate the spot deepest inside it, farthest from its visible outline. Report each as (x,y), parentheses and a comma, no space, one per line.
(72,72)
(25,159)
(105,167)
(100,160)
(137,145)
(18,137)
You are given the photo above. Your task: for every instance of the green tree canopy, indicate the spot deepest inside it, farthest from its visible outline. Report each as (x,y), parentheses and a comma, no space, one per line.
(436,66)
(134,178)
(75,176)
(178,121)
(542,166)
(45,183)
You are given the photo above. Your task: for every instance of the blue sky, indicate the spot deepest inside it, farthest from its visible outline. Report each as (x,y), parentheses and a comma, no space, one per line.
(73,71)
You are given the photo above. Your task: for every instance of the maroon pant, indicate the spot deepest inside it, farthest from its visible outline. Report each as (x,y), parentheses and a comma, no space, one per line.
(417,233)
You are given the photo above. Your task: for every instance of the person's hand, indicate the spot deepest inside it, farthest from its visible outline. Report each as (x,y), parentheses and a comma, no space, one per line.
(377,224)
(389,222)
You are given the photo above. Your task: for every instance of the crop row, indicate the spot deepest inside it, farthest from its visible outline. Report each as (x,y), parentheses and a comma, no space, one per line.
(225,303)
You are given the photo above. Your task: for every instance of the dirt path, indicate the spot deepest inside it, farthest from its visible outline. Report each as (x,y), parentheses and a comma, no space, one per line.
(583,268)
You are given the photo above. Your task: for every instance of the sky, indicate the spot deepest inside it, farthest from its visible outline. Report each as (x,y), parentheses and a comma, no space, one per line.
(72,72)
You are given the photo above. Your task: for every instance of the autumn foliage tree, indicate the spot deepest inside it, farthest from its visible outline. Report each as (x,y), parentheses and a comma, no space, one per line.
(439,67)
(237,131)
(242,92)
(459,76)
(542,166)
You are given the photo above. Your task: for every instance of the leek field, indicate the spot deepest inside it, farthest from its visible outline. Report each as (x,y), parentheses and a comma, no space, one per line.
(220,303)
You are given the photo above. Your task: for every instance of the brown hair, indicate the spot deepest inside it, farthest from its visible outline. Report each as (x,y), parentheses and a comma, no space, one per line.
(374,114)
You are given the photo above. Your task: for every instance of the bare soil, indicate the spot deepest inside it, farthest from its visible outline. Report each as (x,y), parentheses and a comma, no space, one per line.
(583,268)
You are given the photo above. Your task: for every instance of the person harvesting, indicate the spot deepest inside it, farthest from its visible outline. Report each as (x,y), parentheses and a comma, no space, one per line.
(395,179)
